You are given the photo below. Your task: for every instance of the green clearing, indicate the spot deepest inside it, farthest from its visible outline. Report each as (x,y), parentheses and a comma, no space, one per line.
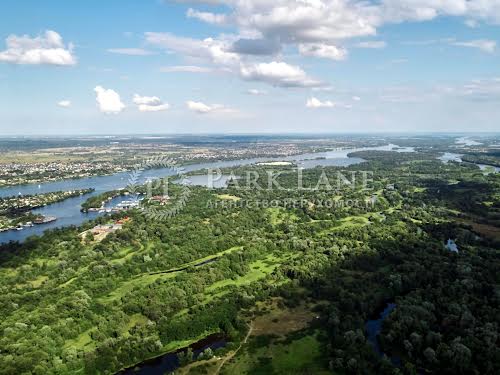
(124,255)
(299,356)
(82,342)
(37,283)
(348,222)
(259,270)
(128,286)
(280,215)
(227,197)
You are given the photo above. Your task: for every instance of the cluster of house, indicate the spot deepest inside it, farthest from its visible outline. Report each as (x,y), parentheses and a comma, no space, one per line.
(101,231)
(17,173)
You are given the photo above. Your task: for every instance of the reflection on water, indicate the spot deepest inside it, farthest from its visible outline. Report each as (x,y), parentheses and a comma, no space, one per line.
(487,169)
(450,156)
(373,329)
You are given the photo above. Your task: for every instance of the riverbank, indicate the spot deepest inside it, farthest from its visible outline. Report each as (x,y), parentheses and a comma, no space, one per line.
(16,211)
(168,360)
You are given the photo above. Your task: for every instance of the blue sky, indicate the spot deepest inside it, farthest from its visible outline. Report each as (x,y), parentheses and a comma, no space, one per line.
(149,66)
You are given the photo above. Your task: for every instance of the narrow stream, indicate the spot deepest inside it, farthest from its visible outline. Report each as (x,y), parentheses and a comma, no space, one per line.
(373,329)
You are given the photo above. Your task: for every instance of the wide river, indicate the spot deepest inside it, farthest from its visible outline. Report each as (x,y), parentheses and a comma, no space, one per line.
(68,211)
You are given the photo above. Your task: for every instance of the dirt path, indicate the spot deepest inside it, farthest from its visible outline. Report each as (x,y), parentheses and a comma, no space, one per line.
(232,354)
(220,361)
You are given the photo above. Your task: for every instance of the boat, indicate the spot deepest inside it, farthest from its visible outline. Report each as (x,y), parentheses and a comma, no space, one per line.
(44,220)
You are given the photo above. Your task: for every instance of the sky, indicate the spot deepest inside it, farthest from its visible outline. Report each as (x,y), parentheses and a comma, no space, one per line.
(249,66)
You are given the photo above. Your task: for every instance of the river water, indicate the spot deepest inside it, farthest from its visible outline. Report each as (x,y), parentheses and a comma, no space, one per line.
(169,362)
(451,156)
(68,212)
(373,329)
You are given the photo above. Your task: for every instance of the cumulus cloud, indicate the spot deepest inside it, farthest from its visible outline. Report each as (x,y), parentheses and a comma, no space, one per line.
(150,103)
(108,101)
(64,103)
(256,46)
(185,69)
(48,48)
(305,21)
(315,28)
(331,21)
(203,108)
(216,19)
(484,45)
(211,50)
(323,51)
(316,103)
(278,74)
(131,51)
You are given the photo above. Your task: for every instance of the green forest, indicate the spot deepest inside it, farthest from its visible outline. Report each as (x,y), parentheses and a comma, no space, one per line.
(289,286)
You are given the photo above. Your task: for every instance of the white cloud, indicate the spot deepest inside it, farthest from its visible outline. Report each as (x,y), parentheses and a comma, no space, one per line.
(47,49)
(256,92)
(278,74)
(316,28)
(211,50)
(150,103)
(64,103)
(471,23)
(131,51)
(305,21)
(484,45)
(323,51)
(425,10)
(216,19)
(257,47)
(108,101)
(373,44)
(203,108)
(200,107)
(330,22)
(185,69)
(316,103)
